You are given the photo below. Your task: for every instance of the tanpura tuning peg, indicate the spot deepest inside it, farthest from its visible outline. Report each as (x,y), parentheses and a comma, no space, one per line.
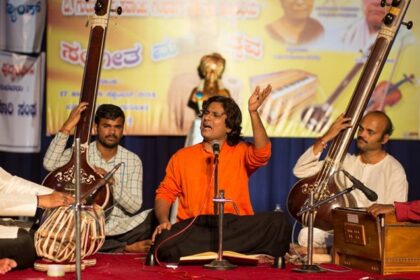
(98,6)
(395,3)
(383,3)
(388,19)
(118,11)
(408,24)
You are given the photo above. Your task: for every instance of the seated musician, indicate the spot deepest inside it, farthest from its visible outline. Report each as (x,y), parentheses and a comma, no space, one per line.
(404,211)
(127,229)
(189,177)
(19,197)
(372,165)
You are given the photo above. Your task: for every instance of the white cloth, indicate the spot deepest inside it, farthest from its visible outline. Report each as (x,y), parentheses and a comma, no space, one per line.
(194,135)
(18,197)
(320,239)
(387,178)
(357,36)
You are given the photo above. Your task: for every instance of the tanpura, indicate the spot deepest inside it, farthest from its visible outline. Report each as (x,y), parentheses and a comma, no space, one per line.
(324,185)
(63,178)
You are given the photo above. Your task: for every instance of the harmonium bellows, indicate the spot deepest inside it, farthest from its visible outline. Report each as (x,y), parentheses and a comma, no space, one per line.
(291,90)
(379,245)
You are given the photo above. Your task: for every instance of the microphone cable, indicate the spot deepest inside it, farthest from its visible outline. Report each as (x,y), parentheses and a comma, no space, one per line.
(119,193)
(209,188)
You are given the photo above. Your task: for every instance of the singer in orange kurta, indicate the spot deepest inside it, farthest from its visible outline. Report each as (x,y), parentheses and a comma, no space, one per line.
(190,176)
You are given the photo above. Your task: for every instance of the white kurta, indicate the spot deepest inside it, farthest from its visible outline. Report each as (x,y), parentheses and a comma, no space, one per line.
(194,134)
(387,178)
(357,36)
(18,197)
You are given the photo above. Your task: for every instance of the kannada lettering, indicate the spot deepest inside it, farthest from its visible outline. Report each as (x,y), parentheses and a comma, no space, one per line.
(15,11)
(127,58)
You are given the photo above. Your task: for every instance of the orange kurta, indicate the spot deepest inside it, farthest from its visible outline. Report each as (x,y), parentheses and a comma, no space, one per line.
(190,176)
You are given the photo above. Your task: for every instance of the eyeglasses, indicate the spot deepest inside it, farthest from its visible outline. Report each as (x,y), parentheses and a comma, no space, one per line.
(216,115)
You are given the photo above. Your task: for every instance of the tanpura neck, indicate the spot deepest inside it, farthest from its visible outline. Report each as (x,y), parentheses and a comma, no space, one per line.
(373,157)
(106,153)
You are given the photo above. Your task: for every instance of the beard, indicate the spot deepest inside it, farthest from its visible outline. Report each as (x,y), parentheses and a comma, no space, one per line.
(103,142)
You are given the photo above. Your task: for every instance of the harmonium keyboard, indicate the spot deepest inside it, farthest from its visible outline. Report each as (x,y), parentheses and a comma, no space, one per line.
(291,90)
(379,245)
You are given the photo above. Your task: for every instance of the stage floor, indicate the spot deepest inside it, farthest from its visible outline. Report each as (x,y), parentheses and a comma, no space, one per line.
(131,266)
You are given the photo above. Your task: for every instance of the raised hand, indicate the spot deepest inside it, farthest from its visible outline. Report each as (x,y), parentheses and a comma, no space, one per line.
(258,97)
(338,125)
(73,118)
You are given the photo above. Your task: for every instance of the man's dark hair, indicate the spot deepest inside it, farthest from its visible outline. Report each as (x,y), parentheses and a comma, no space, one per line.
(110,112)
(389,126)
(233,117)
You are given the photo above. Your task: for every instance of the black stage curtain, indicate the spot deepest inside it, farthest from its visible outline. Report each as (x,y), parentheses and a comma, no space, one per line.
(269,185)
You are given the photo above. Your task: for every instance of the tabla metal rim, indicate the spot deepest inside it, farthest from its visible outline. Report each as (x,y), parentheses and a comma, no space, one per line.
(42,264)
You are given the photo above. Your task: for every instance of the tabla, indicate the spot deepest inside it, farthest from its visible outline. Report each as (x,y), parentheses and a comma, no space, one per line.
(55,239)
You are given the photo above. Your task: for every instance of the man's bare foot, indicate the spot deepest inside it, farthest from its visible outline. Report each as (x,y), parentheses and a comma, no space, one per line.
(6,265)
(265,259)
(139,246)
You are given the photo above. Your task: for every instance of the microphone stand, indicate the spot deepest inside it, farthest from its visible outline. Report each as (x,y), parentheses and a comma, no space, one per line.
(322,202)
(216,183)
(309,267)
(219,263)
(77,209)
(219,208)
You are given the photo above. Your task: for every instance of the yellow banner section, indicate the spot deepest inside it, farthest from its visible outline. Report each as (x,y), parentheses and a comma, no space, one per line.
(312,52)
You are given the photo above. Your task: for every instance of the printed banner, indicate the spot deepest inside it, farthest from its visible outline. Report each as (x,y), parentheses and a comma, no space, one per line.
(22,24)
(311,51)
(2,26)
(21,91)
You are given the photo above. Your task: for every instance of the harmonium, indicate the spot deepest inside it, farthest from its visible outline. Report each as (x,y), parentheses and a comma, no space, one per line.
(379,245)
(292,89)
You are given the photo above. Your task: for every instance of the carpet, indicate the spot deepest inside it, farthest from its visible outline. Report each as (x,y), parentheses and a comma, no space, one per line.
(131,266)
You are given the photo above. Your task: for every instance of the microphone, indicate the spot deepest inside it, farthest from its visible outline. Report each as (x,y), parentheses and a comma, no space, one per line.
(216,151)
(101,182)
(216,148)
(111,172)
(371,195)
